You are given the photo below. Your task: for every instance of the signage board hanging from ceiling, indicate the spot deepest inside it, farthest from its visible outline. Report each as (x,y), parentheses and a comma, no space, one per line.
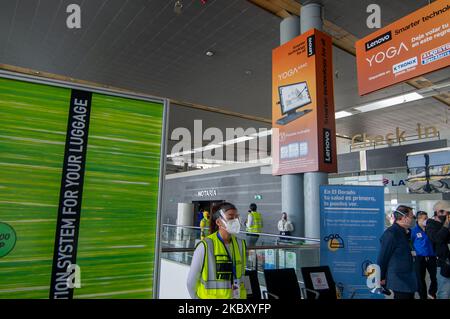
(412,46)
(429,171)
(303,119)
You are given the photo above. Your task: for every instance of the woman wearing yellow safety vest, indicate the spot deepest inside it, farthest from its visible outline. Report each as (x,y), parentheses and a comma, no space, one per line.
(219,261)
(254,225)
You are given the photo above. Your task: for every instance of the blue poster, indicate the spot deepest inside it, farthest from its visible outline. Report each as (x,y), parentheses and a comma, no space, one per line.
(351,224)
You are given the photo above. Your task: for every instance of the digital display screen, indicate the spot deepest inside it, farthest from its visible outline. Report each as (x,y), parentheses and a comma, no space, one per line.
(294,96)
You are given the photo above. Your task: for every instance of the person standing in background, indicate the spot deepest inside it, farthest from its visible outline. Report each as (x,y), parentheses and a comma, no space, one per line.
(396,256)
(426,257)
(254,225)
(204,225)
(438,230)
(199,216)
(285,226)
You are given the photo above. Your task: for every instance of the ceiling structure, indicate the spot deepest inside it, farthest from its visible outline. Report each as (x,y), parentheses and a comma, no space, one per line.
(339,18)
(144,46)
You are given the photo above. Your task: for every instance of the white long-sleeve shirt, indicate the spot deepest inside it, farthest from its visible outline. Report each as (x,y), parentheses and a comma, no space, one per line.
(249,222)
(285,225)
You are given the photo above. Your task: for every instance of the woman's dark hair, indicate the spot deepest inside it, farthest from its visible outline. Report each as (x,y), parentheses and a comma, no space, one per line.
(253,207)
(217,210)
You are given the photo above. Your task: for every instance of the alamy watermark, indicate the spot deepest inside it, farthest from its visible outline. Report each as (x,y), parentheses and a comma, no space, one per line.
(374,19)
(74,276)
(215,145)
(373,273)
(73,20)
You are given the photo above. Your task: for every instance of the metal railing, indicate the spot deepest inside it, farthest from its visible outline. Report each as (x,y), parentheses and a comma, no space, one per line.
(280,237)
(270,251)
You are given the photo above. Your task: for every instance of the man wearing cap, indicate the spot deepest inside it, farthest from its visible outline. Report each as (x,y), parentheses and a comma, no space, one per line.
(438,231)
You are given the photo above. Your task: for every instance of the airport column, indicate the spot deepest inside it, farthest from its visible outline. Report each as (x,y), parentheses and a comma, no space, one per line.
(311,17)
(292,185)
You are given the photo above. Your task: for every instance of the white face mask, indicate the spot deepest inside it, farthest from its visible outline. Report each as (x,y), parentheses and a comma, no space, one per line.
(232,226)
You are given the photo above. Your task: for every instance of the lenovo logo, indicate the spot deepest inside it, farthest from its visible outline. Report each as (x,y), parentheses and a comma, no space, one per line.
(327,151)
(386,37)
(311,45)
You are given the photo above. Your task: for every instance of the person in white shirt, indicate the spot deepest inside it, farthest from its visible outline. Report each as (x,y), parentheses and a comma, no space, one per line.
(285,226)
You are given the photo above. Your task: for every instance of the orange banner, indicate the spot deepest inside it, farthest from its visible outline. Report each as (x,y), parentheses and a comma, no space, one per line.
(303,122)
(412,46)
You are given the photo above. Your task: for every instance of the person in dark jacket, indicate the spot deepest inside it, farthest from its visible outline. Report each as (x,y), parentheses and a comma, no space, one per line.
(438,231)
(396,256)
(426,257)
(199,216)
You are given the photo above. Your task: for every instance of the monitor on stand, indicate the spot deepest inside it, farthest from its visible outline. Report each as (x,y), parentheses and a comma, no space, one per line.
(293,97)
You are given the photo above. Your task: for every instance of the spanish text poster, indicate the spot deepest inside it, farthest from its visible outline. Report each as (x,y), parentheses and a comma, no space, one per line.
(352,221)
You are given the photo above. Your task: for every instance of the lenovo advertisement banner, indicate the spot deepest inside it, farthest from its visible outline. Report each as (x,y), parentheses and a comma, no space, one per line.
(351,224)
(79,191)
(412,46)
(303,122)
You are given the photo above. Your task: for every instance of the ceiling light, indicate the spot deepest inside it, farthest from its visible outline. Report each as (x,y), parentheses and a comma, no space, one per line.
(390,102)
(341,114)
(209,53)
(248,72)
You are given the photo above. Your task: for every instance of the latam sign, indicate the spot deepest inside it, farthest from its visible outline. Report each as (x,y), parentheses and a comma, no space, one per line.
(412,46)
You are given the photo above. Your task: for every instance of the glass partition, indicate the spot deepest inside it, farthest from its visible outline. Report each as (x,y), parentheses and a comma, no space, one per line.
(269,252)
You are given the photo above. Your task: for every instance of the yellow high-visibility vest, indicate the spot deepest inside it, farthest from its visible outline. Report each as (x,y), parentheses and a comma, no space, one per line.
(216,279)
(257,225)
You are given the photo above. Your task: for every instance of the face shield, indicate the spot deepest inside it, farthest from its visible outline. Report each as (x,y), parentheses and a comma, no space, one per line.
(411,219)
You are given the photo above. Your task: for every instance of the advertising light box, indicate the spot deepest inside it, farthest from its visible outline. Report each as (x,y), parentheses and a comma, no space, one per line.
(303,119)
(412,46)
(80,188)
